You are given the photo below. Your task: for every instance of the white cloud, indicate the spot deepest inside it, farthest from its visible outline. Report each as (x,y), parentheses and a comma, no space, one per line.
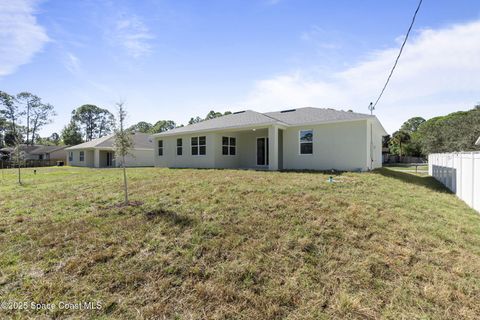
(72,63)
(20,34)
(131,33)
(438,73)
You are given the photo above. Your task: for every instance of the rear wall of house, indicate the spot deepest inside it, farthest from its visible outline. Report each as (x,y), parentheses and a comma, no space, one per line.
(186,160)
(139,158)
(340,146)
(60,155)
(88,162)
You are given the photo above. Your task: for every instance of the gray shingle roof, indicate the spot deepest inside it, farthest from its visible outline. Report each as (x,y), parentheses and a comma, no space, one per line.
(308,115)
(47,149)
(234,120)
(247,118)
(140,141)
(23,147)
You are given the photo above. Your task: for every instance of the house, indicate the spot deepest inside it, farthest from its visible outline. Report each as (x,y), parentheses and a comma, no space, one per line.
(38,152)
(295,139)
(478,142)
(99,153)
(53,153)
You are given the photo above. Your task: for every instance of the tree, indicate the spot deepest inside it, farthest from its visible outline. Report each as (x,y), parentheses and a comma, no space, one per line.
(195,120)
(142,126)
(123,144)
(386,141)
(212,115)
(3,127)
(97,122)
(29,102)
(10,110)
(162,126)
(412,124)
(454,132)
(12,137)
(399,139)
(41,115)
(71,134)
(55,138)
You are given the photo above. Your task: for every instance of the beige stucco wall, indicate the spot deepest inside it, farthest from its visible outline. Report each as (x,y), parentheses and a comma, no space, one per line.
(375,148)
(186,160)
(60,155)
(76,159)
(340,146)
(140,158)
(248,147)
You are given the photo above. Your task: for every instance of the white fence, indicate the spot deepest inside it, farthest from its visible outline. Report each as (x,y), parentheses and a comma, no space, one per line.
(459,172)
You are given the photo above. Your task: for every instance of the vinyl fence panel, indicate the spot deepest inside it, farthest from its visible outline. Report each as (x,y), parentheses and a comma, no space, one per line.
(459,172)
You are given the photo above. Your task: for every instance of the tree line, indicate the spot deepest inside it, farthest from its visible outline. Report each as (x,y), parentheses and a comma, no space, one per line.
(417,137)
(22,117)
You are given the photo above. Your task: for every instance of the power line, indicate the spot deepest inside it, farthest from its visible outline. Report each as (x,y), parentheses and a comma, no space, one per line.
(371,107)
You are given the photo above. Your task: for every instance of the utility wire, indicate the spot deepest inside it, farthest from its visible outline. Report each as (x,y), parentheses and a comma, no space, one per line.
(398,57)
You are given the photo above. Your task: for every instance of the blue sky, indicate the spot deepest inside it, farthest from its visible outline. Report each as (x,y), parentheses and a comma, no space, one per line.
(178,59)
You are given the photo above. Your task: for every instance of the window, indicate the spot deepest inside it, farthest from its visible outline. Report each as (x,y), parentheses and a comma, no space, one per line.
(160,147)
(70,156)
(179,147)
(82,155)
(306,142)
(199,146)
(229,146)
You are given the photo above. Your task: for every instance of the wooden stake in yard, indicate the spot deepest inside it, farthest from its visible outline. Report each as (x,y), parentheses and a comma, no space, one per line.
(123,143)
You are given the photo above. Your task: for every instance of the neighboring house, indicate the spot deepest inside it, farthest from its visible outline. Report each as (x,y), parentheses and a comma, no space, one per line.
(99,153)
(39,152)
(296,139)
(53,153)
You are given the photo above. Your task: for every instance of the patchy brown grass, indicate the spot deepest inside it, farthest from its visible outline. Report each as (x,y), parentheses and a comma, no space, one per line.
(223,244)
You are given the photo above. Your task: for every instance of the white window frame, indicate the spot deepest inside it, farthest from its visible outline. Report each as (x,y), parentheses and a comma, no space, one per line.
(70,156)
(300,142)
(81,156)
(160,148)
(198,146)
(229,145)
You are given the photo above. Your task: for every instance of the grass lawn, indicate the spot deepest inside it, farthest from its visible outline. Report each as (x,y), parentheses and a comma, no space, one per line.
(230,244)
(421,171)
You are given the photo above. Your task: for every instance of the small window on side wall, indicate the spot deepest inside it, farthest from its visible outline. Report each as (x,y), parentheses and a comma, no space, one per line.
(160,148)
(229,146)
(70,156)
(179,146)
(306,141)
(82,156)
